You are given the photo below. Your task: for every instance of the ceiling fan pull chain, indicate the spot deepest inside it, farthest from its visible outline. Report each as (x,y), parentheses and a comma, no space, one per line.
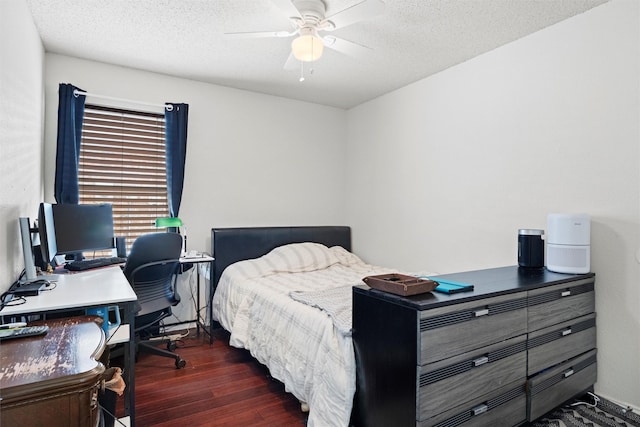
(301,71)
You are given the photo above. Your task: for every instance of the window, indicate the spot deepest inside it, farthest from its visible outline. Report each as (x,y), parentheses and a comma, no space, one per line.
(123,162)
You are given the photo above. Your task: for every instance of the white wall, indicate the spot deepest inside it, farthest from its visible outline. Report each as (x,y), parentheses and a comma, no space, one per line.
(442,173)
(21,118)
(252,159)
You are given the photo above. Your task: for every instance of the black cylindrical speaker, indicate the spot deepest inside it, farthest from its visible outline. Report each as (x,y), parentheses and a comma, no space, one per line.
(530,248)
(121,247)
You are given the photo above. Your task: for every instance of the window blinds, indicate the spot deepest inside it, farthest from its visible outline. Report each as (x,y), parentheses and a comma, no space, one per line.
(122,162)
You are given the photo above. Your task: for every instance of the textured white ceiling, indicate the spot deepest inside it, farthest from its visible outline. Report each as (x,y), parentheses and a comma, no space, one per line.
(410,40)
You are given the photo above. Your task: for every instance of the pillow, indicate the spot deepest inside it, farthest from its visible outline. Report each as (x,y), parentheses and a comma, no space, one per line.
(248,269)
(345,257)
(299,257)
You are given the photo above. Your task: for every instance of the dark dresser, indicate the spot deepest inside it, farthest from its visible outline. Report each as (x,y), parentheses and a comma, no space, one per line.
(518,345)
(52,380)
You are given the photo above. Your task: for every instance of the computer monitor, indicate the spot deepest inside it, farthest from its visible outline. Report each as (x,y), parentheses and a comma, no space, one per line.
(80,228)
(48,246)
(27,251)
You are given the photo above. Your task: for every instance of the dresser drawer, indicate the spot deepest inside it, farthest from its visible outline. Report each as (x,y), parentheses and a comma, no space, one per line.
(555,344)
(70,406)
(506,406)
(555,304)
(550,388)
(460,328)
(452,382)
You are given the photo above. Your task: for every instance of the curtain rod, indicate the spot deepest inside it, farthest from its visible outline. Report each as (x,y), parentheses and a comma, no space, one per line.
(76,93)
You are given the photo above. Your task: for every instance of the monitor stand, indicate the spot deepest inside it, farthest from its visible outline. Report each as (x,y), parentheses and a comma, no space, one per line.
(76,256)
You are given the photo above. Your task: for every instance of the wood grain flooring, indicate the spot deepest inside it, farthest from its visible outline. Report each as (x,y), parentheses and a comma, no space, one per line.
(220,386)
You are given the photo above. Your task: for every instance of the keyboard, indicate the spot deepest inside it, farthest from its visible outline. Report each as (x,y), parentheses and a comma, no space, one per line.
(89,264)
(27,331)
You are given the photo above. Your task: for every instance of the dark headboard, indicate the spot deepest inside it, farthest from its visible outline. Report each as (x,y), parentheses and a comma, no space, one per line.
(229,245)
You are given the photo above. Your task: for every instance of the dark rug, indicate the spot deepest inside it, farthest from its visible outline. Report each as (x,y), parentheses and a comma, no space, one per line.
(583,413)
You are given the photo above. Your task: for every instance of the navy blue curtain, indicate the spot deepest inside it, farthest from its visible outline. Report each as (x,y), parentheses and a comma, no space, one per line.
(70,114)
(176,148)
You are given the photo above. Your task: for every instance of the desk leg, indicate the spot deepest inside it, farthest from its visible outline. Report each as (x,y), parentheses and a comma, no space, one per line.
(129,366)
(210,302)
(197,266)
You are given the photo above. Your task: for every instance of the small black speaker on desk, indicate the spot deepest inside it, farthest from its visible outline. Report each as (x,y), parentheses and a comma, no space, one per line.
(121,247)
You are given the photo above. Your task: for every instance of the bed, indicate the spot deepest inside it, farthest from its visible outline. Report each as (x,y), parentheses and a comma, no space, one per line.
(284,294)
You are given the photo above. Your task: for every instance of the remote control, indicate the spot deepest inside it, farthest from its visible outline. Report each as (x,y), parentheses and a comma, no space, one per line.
(26,331)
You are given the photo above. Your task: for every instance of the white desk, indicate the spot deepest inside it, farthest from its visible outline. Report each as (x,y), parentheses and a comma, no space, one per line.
(92,288)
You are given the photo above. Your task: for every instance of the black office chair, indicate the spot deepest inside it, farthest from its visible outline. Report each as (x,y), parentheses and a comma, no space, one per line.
(151,268)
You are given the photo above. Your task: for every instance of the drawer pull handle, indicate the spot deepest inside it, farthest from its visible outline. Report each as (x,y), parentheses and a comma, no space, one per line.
(480,409)
(566,332)
(482,312)
(480,361)
(565,293)
(567,373)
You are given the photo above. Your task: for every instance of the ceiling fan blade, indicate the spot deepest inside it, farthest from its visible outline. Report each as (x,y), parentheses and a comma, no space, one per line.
(292,63)
(288,8)
(259,34)
(345,46)
(358,12)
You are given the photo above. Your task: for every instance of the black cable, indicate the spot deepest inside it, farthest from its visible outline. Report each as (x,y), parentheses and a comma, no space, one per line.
(8,296)
(4,299)
(17,282)
(7,299)
(112,415)
(50,286)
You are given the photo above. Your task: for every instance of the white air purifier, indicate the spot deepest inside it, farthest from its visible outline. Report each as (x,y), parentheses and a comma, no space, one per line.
(569,243)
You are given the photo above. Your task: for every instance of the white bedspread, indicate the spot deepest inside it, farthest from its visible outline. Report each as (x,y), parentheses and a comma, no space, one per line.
(297,342)
(335,302)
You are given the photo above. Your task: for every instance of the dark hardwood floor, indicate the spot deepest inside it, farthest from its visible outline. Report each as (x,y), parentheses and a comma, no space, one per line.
(220,386)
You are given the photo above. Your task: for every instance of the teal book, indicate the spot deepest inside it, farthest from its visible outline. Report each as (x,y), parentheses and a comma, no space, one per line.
(449,286)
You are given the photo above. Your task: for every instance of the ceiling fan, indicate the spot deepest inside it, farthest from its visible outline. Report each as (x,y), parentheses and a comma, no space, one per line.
(309,22)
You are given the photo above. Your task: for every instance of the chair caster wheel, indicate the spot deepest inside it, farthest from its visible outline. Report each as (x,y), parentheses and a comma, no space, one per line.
(171,346)
(180,363)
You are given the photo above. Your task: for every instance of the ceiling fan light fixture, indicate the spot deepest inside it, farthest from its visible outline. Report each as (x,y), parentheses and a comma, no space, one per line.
(308,46)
